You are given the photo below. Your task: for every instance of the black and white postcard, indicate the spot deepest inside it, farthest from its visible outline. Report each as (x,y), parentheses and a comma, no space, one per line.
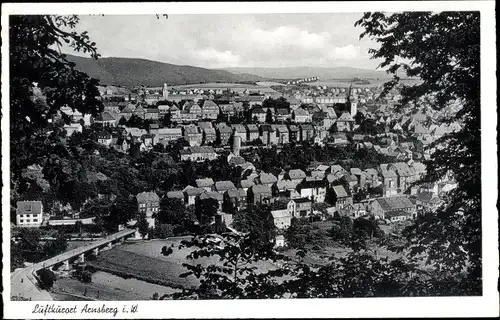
(249,160)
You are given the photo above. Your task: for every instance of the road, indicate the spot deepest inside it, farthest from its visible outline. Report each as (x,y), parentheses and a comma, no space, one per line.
(23,281)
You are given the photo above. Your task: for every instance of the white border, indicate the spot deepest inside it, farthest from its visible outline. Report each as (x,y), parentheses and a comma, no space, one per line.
(487,305)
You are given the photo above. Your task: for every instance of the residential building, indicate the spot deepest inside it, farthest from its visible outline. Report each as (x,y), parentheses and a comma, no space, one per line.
(300,115)
(236,197)
(209,134)
(296,174)
(198,154)
(279,241)
(163,110)
(282,218)
(151,114)
(314,190)
(106,119)
(282,133)
(209,110)
(259,194)
(191,193)
(382,206)
(104,138)
(282,115)
(300,207)
(193,135)
(268,134)
(29,214)
(206,184)
(72,128)
(253,132)
(284,188)
(267,179)
(294,133)
(345,122)
(223,186)
(306,132)
(341,197)
(389,180)
(259,114)
(240,131)
(176,195)
(224,132)
(169,134)
(426,201)
(246,184)
(149,204)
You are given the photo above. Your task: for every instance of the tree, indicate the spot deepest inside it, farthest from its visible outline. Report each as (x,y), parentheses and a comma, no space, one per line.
(142,225)
(52,248)
(237,275)
(269,117)
(167,120)
(359,117)
(42,81)
(448,63)
(47,278)
(206,210)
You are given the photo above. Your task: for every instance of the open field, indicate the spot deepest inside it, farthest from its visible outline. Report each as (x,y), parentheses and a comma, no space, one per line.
(234,86)
(143,260)
(106,286)
(347,82)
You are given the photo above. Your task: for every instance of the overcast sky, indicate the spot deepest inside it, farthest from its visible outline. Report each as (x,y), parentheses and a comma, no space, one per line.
(238,40)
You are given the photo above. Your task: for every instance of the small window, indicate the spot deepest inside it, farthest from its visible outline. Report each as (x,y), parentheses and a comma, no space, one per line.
(28,221)
(35,220)
(21,221)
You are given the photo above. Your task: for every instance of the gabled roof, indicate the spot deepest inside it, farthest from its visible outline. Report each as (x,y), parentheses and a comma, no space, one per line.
(236,193)
(31,207)
(284,185)
(277,214)
(193,191)
(105,116)
(175,195)
(394,203)
(300,112)
(209,104)
(222,127)
(266,178)
(356,171)
(260,188)
(202,183)
(147,197)
(301,200)
(296,174)
(252,128)
(224,185)
(246,183)
(211,195)
(239,128)
(340,191)
(345,117)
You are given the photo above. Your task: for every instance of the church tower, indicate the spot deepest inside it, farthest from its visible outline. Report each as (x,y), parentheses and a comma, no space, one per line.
(165,91)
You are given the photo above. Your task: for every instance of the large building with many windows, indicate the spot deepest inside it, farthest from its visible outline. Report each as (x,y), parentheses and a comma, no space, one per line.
(29,214)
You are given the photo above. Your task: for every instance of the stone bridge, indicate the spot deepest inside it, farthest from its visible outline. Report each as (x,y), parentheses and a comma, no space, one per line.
(24,282)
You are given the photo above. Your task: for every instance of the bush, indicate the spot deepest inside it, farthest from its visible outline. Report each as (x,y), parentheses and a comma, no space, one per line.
(47,278)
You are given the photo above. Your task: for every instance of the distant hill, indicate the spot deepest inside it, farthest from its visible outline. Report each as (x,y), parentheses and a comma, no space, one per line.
(133,72)
(322,73)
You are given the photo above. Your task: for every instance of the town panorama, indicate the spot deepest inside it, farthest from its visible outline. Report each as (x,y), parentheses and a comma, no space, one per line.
(135,179)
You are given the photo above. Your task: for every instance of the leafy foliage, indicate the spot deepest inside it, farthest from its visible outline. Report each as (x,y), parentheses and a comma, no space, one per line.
(237,276)
(443,50)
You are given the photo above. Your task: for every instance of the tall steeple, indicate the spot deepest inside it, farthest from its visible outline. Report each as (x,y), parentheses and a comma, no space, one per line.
(165,91)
